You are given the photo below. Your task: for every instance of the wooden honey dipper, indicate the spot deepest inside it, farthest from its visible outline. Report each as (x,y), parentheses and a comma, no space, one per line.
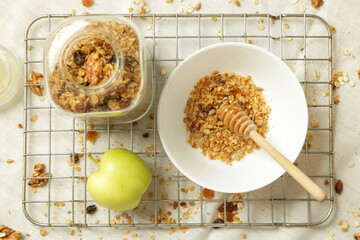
(236,120)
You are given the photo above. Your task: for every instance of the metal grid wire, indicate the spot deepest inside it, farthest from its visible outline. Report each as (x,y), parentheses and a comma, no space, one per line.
(276,202)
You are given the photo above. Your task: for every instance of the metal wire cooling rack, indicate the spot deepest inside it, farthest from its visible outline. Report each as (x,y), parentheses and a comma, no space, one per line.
(304,42)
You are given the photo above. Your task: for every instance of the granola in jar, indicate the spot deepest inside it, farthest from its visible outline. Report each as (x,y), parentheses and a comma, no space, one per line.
(97,66)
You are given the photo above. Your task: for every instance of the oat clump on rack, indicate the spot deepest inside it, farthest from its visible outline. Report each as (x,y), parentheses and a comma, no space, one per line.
(38,172)
(203,109)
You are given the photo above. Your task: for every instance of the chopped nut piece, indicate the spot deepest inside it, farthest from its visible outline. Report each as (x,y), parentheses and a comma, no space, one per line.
(36,78)
(7,233)
(163,71)
(340,222)
(352,84)
(9,160)
(256,2)
(72,232)
(20,126)
(152,237)
(191,188)
(357,236)
(150,148)
(34,117)
(127,232)
(338,186)
(33,189)
(237,3)
(43,232)
(87,3)
(131,9)
(92,136)
(249,41)
(213,19)
(333,29)
(331,234)
(314,123)
(261,27)
(184,190)
(243,236)
(208,194)
(134,235)
(356,214)
(286,26)
(351,165)
(38,169)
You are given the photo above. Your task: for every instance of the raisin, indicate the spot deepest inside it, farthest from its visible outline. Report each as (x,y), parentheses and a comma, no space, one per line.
(91,209)
(338,186)
(145,135)
(76,158)
(218,220)
(79,58)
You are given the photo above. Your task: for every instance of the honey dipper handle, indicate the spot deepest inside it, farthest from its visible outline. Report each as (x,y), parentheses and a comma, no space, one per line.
(309,185)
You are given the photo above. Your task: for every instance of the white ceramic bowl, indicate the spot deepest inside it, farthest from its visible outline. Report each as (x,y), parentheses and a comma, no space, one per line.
(287,126)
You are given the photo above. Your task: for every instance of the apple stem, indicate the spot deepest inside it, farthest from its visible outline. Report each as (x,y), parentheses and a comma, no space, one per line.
(93,160)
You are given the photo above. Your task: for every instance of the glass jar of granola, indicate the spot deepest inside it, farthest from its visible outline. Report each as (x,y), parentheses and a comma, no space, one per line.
(98,66)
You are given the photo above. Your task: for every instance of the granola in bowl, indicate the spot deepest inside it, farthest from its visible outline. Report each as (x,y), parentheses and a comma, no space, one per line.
(206,130)
(96,66)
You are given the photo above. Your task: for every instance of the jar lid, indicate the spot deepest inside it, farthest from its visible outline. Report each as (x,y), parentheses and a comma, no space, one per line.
(10,76)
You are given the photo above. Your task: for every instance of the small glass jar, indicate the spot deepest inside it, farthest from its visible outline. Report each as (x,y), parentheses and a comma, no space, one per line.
(10,77)
(98,66)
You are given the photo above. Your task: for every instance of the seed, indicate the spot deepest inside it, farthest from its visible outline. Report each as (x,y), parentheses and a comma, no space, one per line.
(261,27)
(338,186)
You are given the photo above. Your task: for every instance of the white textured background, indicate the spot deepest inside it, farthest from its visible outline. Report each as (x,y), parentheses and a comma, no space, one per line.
(343,14)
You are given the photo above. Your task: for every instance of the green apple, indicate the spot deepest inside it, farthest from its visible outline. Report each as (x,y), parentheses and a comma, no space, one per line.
(120,181)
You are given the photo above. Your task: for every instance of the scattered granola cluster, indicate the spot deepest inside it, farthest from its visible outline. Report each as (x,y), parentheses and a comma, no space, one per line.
(91,62)
(38,172)
(36,78)
(203,109)
(7,233)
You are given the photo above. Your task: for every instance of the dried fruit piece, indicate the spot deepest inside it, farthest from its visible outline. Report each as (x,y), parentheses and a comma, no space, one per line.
(218,220)
(317,3)
(87,3)
(230,206)
(208,194)
(145,135)
(92,136)
(91,209)
(79,58)
(338,186)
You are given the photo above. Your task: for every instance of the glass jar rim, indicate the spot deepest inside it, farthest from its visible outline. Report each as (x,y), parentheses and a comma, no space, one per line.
(118,61)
